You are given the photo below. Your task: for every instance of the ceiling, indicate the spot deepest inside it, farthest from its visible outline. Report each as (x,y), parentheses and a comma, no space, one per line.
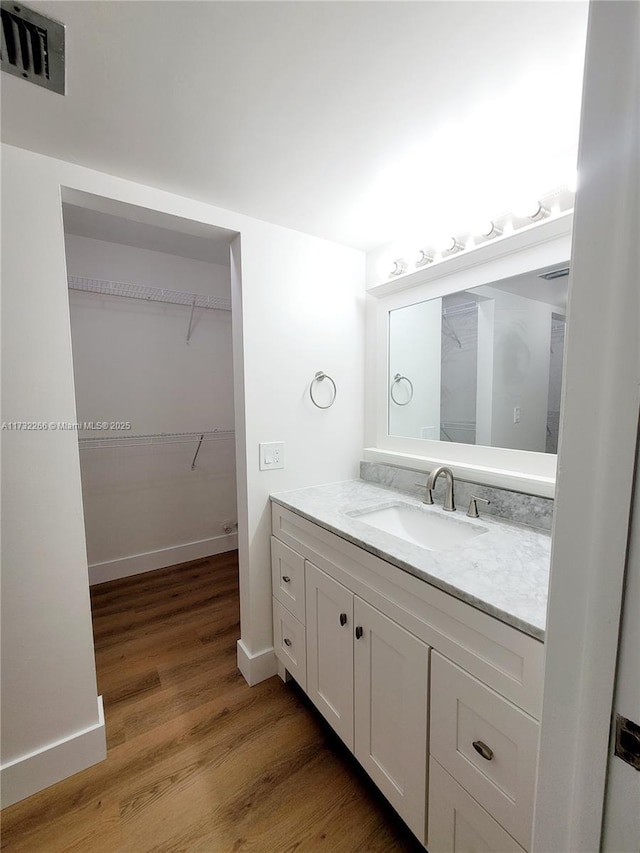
(352,121)
(212,246)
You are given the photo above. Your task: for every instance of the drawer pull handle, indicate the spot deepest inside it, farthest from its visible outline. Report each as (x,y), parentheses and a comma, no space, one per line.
(286,578)
(484,750)
(287,642)
(359,632)
(343,618)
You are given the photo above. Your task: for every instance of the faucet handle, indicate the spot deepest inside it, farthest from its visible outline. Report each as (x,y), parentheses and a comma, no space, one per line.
(472,512)
(428,496)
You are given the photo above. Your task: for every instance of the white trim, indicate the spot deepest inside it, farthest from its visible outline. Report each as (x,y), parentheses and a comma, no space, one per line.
(35,771)
(527,471)
(256,667)
(136,564)
(597,443)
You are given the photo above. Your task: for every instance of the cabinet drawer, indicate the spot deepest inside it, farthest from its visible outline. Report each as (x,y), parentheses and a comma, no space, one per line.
(290,643)
(287,575)
(457,824)
(465,712)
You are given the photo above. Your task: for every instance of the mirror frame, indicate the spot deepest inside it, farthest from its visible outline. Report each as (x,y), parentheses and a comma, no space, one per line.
(530,248)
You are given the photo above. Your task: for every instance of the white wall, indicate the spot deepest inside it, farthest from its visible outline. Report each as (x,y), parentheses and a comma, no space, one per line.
(299,308)
(414,352)
(303,311)
(144,507)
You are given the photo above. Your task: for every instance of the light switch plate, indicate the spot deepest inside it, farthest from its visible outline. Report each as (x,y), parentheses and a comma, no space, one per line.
(271,455)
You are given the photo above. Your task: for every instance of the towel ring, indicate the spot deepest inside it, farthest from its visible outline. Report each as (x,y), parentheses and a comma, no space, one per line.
(320,375)
(400,378)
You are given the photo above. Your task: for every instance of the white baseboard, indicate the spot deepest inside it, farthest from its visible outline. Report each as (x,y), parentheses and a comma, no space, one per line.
(258,667)
(138,563)
(31,773)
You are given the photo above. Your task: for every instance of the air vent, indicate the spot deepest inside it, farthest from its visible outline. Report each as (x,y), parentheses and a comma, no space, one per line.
(32,46)
(560,273)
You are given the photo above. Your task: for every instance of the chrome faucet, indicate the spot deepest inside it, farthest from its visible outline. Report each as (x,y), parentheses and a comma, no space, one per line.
(449,504)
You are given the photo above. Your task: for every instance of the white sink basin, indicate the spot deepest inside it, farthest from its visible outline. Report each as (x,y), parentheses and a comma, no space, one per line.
(427,528)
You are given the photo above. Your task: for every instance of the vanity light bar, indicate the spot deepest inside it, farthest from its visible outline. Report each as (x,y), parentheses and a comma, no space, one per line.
(549,204)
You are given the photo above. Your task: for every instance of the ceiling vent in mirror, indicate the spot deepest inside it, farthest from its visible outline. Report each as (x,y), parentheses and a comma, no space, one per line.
(559,273)
(32,46)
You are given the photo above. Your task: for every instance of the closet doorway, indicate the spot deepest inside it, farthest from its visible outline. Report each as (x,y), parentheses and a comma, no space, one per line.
(150,310)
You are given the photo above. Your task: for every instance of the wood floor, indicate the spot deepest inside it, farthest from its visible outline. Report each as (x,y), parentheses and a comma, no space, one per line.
(198,762)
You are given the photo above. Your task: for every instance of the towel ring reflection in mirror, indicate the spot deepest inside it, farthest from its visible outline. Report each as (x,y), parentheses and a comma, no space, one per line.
(400,378)
(320,377)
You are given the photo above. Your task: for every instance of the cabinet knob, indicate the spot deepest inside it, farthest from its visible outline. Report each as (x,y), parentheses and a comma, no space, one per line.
(359,632)
(286,578)
(484,750)
(343,618)
(287,642)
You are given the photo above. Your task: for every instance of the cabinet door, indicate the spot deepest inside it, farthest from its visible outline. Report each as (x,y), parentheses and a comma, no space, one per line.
(457,824)
(330,650)
(391,701)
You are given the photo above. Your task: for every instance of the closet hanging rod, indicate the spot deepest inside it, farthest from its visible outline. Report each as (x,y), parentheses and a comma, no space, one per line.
(150,294)
(156,438)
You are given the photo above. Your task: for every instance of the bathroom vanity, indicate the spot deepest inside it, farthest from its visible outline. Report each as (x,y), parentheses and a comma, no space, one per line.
(427,663)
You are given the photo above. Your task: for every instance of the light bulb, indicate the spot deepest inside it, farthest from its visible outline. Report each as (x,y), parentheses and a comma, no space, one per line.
(533,210)
(487,229)
(400,266)
(425,257)
(449,244)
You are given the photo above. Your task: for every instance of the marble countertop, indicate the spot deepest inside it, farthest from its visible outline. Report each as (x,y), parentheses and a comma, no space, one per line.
(504,571)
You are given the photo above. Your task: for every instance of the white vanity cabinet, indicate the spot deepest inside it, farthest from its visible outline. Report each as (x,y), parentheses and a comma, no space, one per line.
(369,679)
(370,634)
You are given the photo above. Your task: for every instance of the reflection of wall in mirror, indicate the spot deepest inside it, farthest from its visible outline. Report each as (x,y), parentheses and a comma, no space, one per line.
(459,368)
(558,325)
(513,358)
(414,352)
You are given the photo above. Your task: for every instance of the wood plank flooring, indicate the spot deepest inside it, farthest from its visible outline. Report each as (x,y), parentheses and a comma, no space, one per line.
(198,762)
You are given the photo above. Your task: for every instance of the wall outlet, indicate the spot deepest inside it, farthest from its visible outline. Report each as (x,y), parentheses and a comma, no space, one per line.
(271,455)
(516,414)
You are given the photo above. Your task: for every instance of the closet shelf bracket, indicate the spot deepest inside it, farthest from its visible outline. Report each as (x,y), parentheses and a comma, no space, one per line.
(190,329)
(193,464)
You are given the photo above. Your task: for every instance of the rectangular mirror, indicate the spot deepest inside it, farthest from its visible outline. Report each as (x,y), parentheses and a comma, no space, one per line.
(482,366)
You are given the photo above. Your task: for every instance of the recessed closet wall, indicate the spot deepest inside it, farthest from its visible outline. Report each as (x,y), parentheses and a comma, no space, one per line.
(145,506)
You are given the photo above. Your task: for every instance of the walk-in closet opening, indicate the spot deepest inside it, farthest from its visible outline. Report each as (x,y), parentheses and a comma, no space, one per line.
(150,311)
